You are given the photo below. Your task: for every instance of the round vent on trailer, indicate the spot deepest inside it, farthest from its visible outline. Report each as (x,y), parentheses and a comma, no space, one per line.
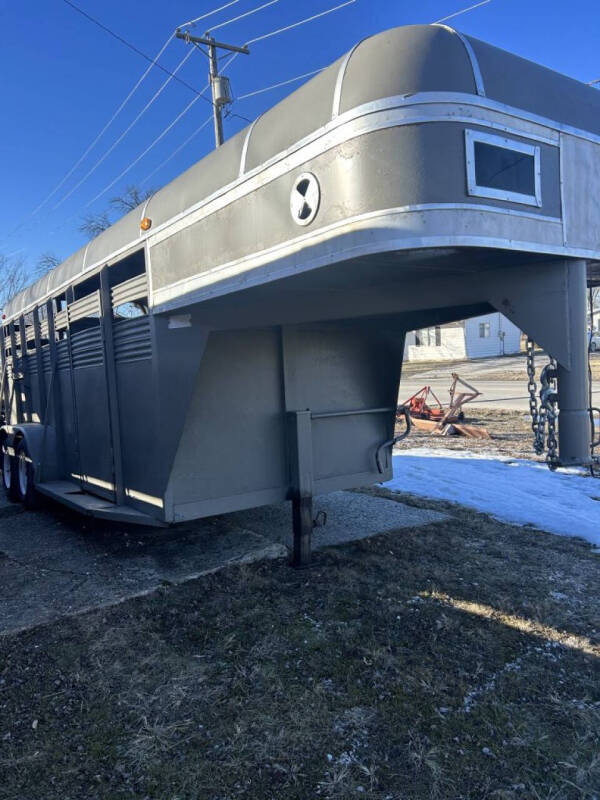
(305,198)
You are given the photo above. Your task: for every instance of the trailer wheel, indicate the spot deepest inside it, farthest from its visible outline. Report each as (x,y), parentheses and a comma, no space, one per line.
(25,483)
(9,475)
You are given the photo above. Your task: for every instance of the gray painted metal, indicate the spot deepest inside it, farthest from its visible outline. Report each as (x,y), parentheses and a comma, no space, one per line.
(251,319)
(573,382)
(301,463)
(428,60)
(472,58)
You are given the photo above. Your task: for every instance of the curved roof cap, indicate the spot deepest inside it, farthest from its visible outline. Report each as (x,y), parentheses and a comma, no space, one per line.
(401,61)
(524,84)
(407,60)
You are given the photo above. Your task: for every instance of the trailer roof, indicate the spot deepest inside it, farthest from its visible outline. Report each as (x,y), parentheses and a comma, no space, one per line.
(400,61)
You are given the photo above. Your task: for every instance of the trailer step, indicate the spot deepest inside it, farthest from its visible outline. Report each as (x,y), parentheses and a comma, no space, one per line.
(70,494)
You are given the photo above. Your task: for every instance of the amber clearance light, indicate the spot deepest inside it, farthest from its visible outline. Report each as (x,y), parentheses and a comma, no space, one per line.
(146,224)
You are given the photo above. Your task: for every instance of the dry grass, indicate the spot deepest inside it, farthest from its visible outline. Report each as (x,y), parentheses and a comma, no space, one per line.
(510,433)
(389,670)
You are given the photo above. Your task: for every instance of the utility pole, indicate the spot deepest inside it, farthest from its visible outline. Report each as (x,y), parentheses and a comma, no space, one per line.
(220,87)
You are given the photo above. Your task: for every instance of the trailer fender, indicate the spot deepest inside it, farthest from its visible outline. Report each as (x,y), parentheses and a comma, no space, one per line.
(41,446)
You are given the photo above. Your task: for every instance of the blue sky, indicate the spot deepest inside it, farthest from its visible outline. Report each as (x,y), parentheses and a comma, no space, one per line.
(63,78)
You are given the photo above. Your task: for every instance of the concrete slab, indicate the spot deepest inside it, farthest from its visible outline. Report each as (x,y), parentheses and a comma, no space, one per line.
(54,563)
(350,516)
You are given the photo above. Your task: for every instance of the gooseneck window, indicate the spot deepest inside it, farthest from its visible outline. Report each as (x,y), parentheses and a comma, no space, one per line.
(503,169)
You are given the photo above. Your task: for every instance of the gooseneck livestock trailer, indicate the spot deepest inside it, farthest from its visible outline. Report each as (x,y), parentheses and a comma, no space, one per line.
(424,177)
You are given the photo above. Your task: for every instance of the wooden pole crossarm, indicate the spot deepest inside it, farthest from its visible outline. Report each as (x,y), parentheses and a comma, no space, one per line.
(210,42)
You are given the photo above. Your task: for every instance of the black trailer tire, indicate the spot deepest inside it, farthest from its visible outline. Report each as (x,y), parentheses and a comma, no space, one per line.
(25,483)
(9,475)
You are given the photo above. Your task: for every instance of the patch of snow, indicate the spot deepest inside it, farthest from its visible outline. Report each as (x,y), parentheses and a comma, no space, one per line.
(512,490)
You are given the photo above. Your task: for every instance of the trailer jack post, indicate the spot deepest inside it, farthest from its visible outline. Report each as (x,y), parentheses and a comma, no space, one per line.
(301,463)
(574,433)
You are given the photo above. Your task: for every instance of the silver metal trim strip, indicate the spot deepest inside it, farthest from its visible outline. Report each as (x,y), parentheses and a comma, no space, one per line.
(339,84)
(478,77)
(355,115)
(83,267)
(563,208)
(414,243)
(146,206)
(354,128)
(148,268)
(245,147)
(495,105)
(476,190)
(212,276)
(401,102)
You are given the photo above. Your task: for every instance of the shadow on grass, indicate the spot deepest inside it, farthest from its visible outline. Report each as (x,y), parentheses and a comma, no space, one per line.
(386,671)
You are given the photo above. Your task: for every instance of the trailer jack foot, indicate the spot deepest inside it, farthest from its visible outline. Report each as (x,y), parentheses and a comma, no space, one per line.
(303,525)
(301,463)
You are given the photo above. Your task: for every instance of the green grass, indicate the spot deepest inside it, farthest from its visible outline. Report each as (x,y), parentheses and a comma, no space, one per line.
(393,669)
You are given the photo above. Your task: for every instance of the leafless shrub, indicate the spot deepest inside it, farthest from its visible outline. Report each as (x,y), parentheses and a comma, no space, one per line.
(131,198)
(13,278)
(94,224)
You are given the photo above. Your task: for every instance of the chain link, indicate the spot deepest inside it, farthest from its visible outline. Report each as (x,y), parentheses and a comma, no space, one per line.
(544,415)
(538,435)
(549,401)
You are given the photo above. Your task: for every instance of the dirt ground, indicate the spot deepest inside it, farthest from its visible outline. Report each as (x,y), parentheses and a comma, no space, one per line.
(459,659)
(510,434)
(456,660)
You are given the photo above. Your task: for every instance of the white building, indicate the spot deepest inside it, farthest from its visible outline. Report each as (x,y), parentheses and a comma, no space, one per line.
(489,335)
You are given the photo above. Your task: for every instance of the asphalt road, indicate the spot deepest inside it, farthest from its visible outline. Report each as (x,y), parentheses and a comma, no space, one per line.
(511,395)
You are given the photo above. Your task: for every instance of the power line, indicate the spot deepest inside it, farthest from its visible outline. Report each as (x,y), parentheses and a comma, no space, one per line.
(189,106)
(177,150)
(462,11)
(208,14)
(129,45)
(102,132)
(242,16)
(153,63)
(282,83)
(153,143)
(301,22)
(186,109)
(126,131)
(205,123)
(144,152)
(92,144)
(220,87)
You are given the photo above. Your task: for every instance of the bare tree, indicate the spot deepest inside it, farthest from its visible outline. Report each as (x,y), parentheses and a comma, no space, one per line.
(93,224)
(131,198)
(46,262)
(13,278)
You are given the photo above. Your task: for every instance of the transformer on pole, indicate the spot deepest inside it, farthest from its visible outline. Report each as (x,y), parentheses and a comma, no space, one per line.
(220,86)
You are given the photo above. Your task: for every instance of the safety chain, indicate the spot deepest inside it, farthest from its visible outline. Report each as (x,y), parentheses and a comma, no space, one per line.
(549,402)
(533,403)
(545,415)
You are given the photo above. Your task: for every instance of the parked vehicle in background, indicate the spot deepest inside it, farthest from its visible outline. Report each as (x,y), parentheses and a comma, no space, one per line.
(594,341)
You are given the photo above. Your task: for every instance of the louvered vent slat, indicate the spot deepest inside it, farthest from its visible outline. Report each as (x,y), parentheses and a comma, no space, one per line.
(132,340)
